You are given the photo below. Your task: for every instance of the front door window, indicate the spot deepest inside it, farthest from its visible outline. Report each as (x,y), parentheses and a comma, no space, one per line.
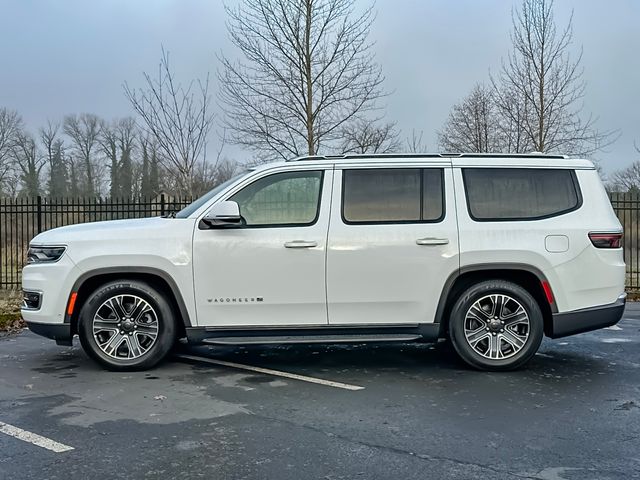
(281,200)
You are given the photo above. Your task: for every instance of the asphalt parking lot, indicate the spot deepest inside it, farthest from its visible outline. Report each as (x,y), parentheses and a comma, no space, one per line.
(410,411)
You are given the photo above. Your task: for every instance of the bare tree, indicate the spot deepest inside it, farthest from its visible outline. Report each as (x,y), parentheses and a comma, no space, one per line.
(513,112)
(473,124)
(542,79)
(109,145)
(29,163)
(126,132)
(415,143)
(149,177)
(627,179)
(308,71)
(365,136)
(204,177)
(54,153)
(84,132)
(178,118)
(118,141)
(10,128)
(225,170)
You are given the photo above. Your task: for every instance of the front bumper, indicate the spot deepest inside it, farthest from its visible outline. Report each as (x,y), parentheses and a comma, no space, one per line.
(60,332)
(53,282)
(587,319)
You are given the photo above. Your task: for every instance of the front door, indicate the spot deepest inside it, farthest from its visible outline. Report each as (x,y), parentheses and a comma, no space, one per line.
(271,269)
(393,242)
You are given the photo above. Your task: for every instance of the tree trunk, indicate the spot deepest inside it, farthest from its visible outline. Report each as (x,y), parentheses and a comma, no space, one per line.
(309,80)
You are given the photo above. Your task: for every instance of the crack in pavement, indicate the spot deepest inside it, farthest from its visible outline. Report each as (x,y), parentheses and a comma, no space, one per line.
(397,450)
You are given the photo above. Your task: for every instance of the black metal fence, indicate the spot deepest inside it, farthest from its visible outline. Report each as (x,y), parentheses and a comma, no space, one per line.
(23,218)
(627,208)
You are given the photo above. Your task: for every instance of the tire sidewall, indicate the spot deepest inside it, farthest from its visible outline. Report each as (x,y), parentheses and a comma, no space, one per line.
(166,325)
(473,294)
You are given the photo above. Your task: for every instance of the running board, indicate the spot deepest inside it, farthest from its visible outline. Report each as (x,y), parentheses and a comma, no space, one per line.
(268,340)
(263,335)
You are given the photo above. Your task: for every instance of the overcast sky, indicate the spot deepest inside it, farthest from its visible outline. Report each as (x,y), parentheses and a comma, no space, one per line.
(72,56)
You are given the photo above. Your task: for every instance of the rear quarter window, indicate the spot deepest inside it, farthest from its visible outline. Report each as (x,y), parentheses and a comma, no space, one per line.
(502,194)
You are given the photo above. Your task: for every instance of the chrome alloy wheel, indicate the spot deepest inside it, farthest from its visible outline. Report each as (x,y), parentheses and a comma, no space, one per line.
(125,327)
(497,326)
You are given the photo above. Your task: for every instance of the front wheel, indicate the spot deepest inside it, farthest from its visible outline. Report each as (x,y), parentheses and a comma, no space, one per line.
(496,325)
(127,325)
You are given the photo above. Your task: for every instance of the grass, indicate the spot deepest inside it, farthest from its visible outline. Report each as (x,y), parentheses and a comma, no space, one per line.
(10,318)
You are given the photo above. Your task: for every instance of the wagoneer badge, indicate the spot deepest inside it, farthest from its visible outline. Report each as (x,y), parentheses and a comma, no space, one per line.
(236,300)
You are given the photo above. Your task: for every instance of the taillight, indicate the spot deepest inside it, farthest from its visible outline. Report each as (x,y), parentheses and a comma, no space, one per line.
(606,240)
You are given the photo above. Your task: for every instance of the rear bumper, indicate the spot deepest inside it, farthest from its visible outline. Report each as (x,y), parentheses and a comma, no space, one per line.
(60,332)
(587,319)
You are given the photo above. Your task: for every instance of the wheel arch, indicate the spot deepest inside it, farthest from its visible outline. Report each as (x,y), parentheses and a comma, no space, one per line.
(527,276)
(91,280)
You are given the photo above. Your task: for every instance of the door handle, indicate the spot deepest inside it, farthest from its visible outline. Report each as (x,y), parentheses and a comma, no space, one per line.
(432,241)
(300,244)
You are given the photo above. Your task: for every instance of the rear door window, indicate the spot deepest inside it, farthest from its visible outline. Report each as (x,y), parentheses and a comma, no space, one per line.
(392,195)
(495,194)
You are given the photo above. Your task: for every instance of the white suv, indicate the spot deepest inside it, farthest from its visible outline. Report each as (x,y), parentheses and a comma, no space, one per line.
(491,251)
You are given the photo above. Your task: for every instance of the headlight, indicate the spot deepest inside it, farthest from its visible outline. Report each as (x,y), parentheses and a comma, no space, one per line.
(44,254)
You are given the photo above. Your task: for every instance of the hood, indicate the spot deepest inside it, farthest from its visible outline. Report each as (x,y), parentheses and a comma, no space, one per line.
(116,229)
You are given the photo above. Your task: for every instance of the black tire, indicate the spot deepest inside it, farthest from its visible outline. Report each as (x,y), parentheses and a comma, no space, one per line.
(478,292)
(166,325)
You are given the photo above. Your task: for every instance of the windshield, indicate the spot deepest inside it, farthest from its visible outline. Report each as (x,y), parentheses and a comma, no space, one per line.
(189,209)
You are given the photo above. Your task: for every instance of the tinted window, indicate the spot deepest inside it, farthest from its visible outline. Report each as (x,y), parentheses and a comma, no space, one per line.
(392,195)
(282,199)
(519,193)
(189,209)
(432,194)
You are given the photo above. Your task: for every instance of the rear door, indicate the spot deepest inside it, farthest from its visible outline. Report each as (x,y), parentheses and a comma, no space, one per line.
(393,242)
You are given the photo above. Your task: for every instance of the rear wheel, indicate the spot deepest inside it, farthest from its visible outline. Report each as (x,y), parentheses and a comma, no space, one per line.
(127,325)
(496,325)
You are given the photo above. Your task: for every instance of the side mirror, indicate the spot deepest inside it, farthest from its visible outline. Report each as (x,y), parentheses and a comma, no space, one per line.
(223,214)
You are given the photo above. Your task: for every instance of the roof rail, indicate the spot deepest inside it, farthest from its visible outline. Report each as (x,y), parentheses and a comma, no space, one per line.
(366,156)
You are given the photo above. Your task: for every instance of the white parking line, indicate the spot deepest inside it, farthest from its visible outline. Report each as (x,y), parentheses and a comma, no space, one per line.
(34,438)
(268,371)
